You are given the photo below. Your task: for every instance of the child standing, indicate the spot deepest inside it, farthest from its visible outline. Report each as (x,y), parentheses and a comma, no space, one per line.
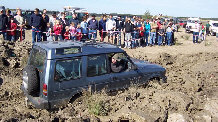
(73,31)
(78,33)
(57,30)
(49,32)
(67,33)
(12,30)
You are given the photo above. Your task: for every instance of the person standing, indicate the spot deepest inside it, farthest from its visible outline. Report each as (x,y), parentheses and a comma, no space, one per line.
(19,19)
(64,22)
(196,29)
(110,27)
(128,28)
(3,22)
(12,28)
(102,27)
(147,28)
(169,35)
(208,28)
(57,30)
(84,27)
(160,35)
(36,23)
(153,32)
(93,26)
(44,24)
(74,19)
(119,28)
(53,19)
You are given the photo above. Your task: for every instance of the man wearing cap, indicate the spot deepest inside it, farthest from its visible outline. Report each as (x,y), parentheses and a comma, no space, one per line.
(3,22)
(93,26)
(36,23)
(116,66)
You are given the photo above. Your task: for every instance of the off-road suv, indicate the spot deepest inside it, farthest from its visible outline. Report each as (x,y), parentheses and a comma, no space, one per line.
(56,71)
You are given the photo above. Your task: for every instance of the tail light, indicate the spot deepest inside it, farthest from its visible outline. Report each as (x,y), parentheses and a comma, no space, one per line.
(45,89)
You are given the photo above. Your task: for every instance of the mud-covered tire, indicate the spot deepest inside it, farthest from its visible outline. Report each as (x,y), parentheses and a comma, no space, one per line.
(31,83)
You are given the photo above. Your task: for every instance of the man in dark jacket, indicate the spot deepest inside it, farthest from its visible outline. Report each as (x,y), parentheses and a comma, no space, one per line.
(36,23)
(93,26)
(74,19)
(44,24)
(3,22)
(119,27)
(102,27)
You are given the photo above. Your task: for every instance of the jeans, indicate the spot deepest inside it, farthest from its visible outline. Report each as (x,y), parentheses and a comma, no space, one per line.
(11,38)
(152,38)
(58,36)
(160,40)
(195,37)
(34,34)
(4,35)
(94,33)
(118,37)
(169,38)
(146,38)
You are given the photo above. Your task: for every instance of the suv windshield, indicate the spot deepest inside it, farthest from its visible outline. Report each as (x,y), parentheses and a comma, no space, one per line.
(37,58)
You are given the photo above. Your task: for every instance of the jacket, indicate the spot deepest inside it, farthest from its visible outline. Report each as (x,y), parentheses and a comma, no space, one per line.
(58,29)
(3,22)
(36,20)
(12,26)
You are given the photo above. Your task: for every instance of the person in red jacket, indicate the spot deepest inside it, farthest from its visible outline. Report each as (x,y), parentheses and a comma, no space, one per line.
(57,30)
(67,33)
(12,30)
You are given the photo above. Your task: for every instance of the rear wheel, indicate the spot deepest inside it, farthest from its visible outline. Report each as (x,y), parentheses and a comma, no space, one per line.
(31,80)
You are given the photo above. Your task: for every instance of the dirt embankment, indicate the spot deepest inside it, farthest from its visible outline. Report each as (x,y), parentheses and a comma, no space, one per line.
(190,94)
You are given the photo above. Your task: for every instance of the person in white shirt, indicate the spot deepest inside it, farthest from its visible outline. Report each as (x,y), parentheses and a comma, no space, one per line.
(196,30)
(110,27)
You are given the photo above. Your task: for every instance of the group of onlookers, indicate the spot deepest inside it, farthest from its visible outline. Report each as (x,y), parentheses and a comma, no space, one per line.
(136,31)
(10,24)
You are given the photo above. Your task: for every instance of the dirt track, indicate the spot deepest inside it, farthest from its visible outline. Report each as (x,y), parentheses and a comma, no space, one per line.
(190,94)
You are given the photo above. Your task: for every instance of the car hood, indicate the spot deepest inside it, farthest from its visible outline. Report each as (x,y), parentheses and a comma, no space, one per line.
(214,28)
(145,64)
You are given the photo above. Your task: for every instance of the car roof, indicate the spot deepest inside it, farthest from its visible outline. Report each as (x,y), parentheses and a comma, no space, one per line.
(87,48)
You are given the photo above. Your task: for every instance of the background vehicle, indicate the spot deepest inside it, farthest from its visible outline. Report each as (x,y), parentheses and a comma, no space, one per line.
(56,71)
(214,27)
(183,23)
(191,23)
(69,10)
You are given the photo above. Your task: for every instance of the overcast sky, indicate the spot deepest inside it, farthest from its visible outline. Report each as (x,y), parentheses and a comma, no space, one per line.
(188,8)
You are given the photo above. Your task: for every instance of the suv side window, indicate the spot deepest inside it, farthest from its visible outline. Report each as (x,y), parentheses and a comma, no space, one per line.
(37,58)
(68,69)
(97,65)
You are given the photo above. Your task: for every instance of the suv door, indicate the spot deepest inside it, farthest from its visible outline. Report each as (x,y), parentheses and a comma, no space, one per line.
(68,73)
(98,71)
(127,76)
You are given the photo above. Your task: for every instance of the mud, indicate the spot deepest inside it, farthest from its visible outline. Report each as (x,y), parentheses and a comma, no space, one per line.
(190,94)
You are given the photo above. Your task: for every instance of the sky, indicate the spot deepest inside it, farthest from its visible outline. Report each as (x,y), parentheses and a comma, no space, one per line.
(177,8)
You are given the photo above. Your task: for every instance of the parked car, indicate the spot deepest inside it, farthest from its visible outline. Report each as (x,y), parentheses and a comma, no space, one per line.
(183,23)
(191,23)
(213,28)
(56,71)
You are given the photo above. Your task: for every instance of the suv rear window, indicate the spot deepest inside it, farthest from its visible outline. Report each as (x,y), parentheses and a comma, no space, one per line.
(37,58)
(97,65)
(68,69)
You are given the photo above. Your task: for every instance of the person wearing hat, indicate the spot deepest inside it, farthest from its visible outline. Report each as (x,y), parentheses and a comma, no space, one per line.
(36,23)
(3,22)
(93,26)
(116,65)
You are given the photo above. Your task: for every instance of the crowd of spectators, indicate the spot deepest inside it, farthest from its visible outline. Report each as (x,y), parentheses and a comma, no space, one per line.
(136,31)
